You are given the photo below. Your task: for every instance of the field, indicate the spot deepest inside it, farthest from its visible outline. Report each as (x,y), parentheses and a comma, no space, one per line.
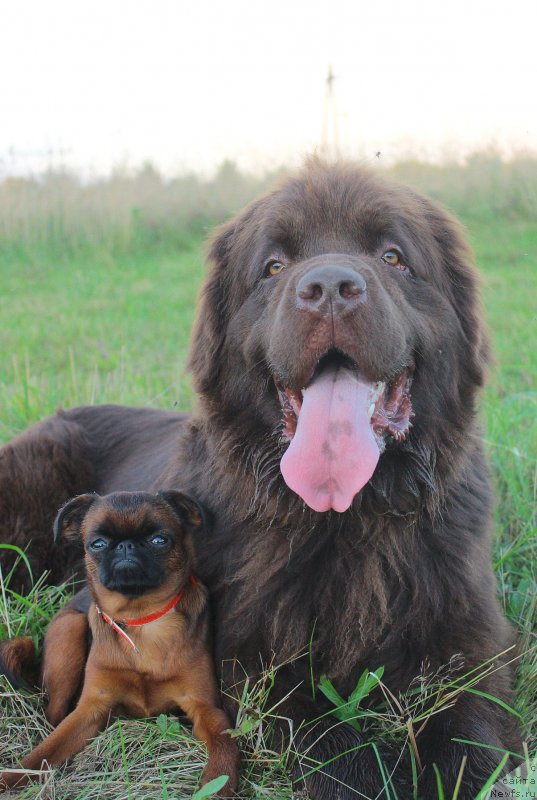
(100,311)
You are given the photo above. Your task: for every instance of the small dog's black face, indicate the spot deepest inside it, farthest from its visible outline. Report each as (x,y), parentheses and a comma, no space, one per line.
(133,550)
(134,542)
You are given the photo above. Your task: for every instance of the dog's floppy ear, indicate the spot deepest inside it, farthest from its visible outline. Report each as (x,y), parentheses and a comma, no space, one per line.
(69,517)
(463,288)
(189,512)
(210,326)
(230,240)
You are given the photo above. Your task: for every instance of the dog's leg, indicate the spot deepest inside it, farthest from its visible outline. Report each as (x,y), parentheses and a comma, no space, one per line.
(70,737)
(63,661)
(336,762)
(97,702)
(333,760)
(475,730)
(39,470)
(209,724)
(197,696)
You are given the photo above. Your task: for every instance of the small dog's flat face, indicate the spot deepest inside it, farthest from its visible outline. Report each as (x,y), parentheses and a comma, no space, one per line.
(134,542)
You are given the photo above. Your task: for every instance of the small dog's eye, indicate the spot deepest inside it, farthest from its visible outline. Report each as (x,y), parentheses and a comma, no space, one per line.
(273,267)
(158,539)
(98,544)
(394,258)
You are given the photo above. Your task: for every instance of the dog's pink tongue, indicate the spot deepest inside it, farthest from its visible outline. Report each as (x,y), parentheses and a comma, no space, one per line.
(333,452)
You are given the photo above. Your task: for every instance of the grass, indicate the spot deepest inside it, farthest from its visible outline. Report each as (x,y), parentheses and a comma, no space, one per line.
(98,322)
(77,331)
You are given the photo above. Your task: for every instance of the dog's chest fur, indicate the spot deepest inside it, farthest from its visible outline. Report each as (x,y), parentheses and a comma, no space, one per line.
(165,651)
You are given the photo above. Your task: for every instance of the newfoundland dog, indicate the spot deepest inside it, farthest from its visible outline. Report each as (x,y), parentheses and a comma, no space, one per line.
(337,354)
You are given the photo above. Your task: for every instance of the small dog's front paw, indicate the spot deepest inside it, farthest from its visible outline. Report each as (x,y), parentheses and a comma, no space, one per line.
(224,759)
(13,779)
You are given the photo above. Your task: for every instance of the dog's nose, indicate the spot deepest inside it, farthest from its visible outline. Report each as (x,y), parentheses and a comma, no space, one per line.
(341,287)
(125,548)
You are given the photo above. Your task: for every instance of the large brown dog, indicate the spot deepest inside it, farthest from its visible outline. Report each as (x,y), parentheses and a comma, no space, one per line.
(337,353)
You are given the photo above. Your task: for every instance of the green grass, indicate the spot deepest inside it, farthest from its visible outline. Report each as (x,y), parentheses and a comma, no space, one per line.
(94,328)
(105,324)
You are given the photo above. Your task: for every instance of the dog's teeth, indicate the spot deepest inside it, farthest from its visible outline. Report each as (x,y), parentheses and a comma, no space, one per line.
(377,391)
(371,409)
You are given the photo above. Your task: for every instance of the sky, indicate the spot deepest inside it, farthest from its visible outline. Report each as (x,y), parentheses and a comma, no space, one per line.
(96,84)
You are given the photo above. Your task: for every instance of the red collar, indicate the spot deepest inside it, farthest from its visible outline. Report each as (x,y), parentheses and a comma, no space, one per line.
(141,620)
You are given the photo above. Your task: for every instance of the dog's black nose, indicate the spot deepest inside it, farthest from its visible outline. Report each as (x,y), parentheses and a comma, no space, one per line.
(341,287)
(125,548)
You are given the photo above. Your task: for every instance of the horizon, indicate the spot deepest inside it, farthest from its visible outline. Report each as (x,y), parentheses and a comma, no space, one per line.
(55,168)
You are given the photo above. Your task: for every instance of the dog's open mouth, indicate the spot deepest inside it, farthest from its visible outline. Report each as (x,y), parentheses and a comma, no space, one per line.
(337,427)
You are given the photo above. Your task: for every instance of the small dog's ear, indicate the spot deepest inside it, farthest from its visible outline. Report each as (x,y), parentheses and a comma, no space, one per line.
(70,516)
(188,511)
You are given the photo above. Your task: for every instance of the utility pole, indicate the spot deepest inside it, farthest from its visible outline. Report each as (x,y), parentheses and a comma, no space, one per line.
(329,132)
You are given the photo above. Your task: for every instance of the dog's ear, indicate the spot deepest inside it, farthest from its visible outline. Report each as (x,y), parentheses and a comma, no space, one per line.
(463,288)
(211,322)
(232,240)
(186,509)
(69,517)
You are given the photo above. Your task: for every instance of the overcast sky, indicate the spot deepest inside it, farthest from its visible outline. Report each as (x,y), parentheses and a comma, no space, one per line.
(187,84)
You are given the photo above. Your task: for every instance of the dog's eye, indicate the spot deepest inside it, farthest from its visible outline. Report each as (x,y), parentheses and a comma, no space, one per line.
(158,539)
(395,259)
(98,544)
(273,267)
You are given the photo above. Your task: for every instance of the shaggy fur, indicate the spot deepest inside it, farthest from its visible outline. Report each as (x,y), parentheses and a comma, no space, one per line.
(401,579)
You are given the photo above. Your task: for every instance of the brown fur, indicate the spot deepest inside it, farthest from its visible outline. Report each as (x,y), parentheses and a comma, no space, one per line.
(66,642)
(401,579)
(173,668)
(17,660)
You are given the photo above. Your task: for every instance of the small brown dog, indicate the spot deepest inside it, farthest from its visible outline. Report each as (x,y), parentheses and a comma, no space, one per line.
(139,559)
